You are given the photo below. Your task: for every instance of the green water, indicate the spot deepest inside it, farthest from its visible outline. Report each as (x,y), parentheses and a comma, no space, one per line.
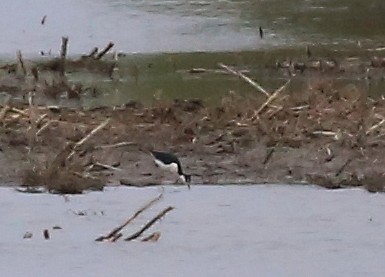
(151,77)
(175,36)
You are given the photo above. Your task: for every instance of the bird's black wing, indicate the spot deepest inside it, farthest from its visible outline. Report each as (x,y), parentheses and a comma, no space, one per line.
(167,158)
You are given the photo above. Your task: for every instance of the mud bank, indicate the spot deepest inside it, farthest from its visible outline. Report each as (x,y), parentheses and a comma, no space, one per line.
(317,136)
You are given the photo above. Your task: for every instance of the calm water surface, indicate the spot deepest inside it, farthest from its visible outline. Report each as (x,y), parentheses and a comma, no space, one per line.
(170,37)
(182,26)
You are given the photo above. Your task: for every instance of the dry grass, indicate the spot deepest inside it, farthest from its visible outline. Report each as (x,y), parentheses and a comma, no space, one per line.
(62,176)
(312,120)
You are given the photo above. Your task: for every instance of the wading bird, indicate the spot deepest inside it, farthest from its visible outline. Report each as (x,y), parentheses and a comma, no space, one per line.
(170,162)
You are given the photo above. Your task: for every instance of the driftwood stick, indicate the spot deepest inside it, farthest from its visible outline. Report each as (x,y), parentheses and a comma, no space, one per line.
(4,111)
(106,166)
(116,145)
(63,54)
(374,127)
(20,61)
(149,224)
(116,237)
(42,22)
(115,231)
(93,52)
(104,51)
(40,119)
(87,137)
(45,126)
(325,133)
(244,77)
(268,156)
(153,237)
(342,168)
(6,107)
(32,119)
(18,111)
(270,99)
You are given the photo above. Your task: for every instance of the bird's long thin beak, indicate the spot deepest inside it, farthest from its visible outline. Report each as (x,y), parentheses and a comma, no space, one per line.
(184,181)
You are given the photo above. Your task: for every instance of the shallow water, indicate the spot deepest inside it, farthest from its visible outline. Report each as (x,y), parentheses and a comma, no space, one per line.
(171,36)
(266,230)
(179,25)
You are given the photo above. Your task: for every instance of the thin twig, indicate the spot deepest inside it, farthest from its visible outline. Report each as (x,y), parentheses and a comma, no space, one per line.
(93,52)
(15,110)
(116,237)
(87,137)
(374,127)
(104,51)
(40,119)
(116,145)
(149,224)
(45,126)
(4,111)
(342,168)
(106,166)
(21,62)
(325,133)
(268,156)
(32,118)
(153,237)
(270,99)
(63,54)
(244,77)
(115,231)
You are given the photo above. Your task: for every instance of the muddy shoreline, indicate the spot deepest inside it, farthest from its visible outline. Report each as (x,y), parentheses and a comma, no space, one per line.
(319,134)
(329,140)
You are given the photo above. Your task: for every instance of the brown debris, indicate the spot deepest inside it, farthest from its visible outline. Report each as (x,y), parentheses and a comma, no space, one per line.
(153,237)
(46,234)
(272,136)
(115,233)
(149,224)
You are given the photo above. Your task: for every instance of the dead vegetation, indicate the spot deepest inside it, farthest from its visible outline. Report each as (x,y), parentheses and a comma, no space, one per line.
(321,135)
(116,233)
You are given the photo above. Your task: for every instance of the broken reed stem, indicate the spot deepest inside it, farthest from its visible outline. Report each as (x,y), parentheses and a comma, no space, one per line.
(20,61)
(87,137)
(63,54)
(149,224)
(45,126)
(6,108)
(244,77)
(153,237)
(104,51)
(106,166)
(114,232)
(342,168)
(18,111)
(93,52)
(4,111)
(116,145)
(40,119)
(374,127)
(270,99)
(116,237)
(268,156)
(32,119)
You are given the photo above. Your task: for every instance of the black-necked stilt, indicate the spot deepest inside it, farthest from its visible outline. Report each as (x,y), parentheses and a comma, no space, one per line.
(170,162)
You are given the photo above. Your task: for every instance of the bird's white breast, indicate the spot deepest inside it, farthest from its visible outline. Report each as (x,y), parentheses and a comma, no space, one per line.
(173,167)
